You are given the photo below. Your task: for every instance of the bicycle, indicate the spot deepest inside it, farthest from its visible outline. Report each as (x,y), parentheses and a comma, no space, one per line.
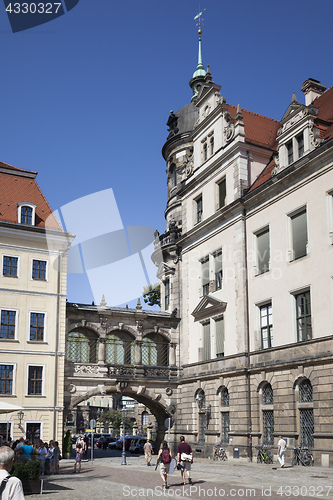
(302,456)
(219,454)
(264,457)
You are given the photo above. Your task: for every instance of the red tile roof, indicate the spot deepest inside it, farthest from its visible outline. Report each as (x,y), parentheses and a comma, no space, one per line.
(259,130)
(17,185)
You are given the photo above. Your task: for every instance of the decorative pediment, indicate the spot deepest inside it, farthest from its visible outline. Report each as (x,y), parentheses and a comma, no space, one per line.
(207,307)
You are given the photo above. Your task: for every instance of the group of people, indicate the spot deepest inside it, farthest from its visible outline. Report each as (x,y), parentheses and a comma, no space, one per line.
(184,461)
(48,454)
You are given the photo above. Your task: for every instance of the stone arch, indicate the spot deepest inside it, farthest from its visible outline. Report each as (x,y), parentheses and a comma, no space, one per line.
(81,345)
(160,332)
(155,349)
(126,329)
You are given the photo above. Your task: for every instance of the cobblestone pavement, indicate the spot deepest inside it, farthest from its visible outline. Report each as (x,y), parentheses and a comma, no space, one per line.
(106,478)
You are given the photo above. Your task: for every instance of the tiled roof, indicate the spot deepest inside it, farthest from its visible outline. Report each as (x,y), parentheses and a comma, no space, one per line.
(17,185)
(323,121)
(259,130)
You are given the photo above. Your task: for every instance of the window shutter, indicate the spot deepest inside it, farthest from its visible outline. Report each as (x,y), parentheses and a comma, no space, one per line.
(206,341)
(263,251)
(219,330)
(299,234)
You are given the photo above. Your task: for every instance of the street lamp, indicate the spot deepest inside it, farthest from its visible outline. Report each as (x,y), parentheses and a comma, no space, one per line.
(123,455)
(20,416)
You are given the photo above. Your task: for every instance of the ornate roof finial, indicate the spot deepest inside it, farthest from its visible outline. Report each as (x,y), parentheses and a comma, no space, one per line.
(198,76)
(294,98)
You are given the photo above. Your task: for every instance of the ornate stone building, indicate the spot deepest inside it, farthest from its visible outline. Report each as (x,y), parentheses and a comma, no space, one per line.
(248,251)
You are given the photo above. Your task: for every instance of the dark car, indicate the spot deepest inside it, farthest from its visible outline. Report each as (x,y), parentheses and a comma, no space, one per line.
(138,444)
(109,439)
(128,439)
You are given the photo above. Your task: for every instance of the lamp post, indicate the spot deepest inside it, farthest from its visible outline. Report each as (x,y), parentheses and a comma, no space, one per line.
(123,455)
(20,416)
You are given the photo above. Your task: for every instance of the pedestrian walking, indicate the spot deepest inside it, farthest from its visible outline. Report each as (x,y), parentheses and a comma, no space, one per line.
(282,445)
(164,459)
(184,459)
(10,487)
(41,456)
(148,450)
(78,456)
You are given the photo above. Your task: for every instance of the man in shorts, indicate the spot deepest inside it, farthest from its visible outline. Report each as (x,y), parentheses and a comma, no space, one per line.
(148,450)
(184,461)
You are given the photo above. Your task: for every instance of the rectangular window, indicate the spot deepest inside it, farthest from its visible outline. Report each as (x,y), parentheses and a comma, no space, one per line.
(300,145)
(37,326)
(199,209)
(263,251)
(6,379)
(290,152)
(222,192)
(206,341)
(268,427)
(35,380)
(306,427)
(33,432)
(218,270)
(266,326)
(167,295)
(39,269)
(205,276)
(225,417)
(303,316)
(219,332)
(205,151)
(10,266)
(212,146)
(299,234)
(7,324)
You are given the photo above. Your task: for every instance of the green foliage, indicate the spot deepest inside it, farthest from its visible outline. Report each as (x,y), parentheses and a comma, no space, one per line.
(152,295)
(115,420)
(26,470)
(67,444)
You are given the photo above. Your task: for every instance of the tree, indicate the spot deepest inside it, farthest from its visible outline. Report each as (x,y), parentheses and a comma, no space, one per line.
(152,295)
(115,420)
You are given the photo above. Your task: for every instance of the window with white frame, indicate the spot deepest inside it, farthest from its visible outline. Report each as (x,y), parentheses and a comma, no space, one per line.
(263,251)
(10,266)
(290,152)
(205,151)
(303,316)
(6,379)
(205,276)
(299,234)
(199,209)
(39,269)
(221,193)
(266,325)
(300,144)
(219,336)
(35,380)
(218,269)
(8,324)
(211,145)
(166,294)
(206,336)
(37,326)
(26,213)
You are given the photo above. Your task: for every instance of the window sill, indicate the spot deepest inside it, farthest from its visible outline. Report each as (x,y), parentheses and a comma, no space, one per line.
(35,396)
(39,279)
(36,342)
(9,276)
(263,272)
(8,396)
(10,340)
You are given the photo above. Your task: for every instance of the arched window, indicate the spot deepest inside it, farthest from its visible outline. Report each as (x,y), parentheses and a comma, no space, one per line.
(26,213)
(305,392)
(225,415)
(267,395)
(81,348)
(155,351)
(201,399)
(145,418)
(202,417)
(119,349)
(224,397)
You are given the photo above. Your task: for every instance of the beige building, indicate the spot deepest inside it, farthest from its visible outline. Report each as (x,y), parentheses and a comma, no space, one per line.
(248,264)
(33,250)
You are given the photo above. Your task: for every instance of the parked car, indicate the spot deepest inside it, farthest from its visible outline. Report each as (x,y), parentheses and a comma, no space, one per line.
(108,437)
(138,444)
(112,443)
(128,439)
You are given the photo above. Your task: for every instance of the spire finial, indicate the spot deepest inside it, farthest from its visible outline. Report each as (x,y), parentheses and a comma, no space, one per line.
(200,73)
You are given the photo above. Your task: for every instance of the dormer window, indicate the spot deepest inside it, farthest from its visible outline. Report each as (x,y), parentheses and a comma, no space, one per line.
(205,151)
(300,144)
(290,152)
(26,213)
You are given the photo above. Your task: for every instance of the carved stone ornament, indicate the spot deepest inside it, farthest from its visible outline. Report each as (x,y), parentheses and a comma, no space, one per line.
(314,136)
(121,370)
(72,388)
(171,409)
(168,391)
(86,369)
(122,385)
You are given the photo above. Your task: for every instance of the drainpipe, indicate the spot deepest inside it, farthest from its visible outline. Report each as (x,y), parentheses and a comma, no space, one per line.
(56,349)
(247,341)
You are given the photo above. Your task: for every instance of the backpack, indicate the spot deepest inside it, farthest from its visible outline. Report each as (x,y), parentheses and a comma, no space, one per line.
(3,484)
(166,457)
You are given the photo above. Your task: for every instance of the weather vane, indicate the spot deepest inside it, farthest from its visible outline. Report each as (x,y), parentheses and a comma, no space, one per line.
(199,23)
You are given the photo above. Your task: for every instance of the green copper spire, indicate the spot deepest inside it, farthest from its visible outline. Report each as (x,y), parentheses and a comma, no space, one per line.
(199,75)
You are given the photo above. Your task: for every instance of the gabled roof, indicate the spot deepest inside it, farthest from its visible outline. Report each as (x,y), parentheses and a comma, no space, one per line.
(259,130)
(17,185)
(208,306)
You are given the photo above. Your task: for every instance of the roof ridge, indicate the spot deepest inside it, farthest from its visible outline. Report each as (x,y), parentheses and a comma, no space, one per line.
(256,114)
(12,167)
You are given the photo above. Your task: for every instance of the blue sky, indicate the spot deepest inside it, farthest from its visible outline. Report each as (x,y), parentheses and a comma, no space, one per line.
(86,97)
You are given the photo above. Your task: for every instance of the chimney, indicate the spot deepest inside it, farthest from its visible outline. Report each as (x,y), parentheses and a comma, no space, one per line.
(312,89)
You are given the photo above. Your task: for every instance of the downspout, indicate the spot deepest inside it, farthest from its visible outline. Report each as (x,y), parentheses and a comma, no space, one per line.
(247,342)
(56,350)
